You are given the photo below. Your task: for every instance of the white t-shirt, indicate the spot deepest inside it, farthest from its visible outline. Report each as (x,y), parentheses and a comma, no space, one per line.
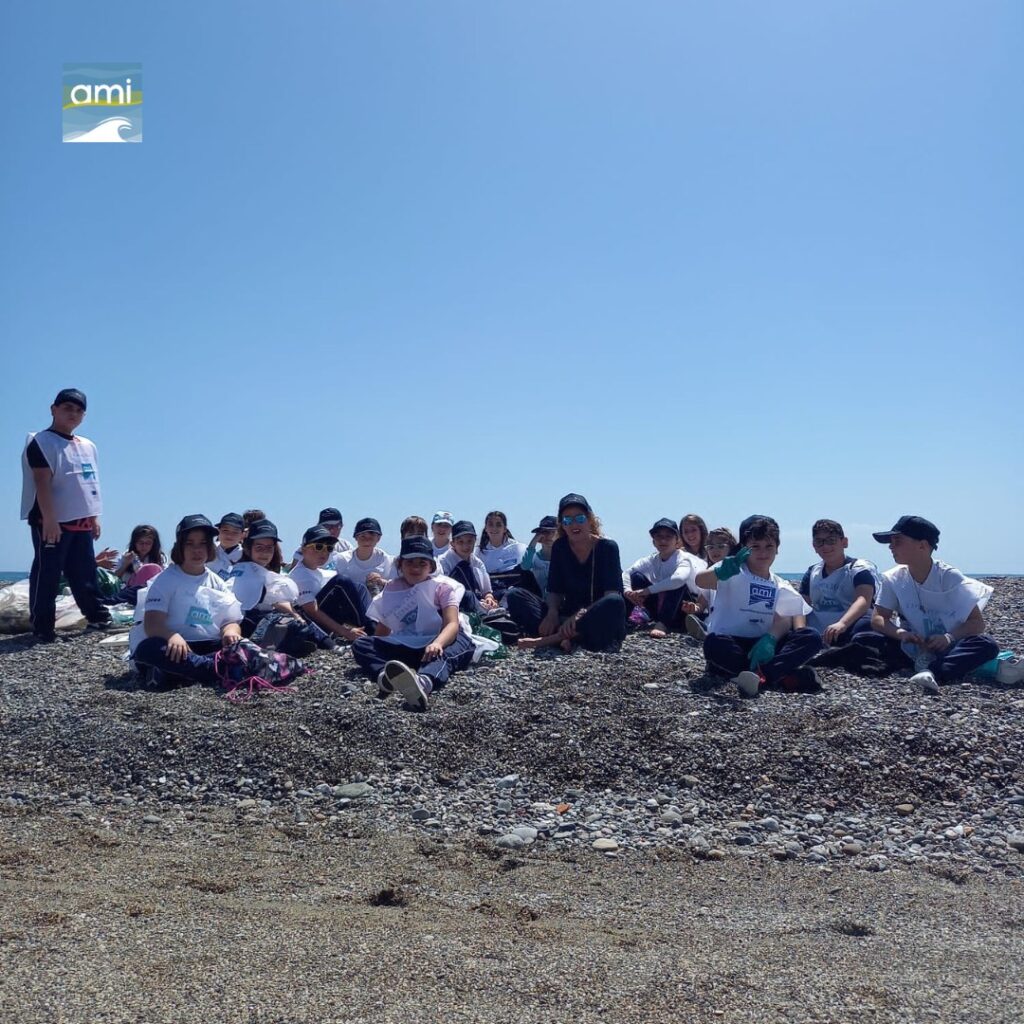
(940,604)
(413,613)
(745,605)
(224,561)
(448,562)
(503,559)
(440,552)
(258,588)
(196,606)
(309,582)
(350,565)
(678,570)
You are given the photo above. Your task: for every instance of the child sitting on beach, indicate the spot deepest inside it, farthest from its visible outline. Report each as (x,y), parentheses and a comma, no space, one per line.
(463,566)
(757,634)
(840,589)
(331,520)
(501,553)
(536,562)
(693,536)
(265,596)
(412,526)
(419,640)
(336,604)
(656,586)
(228,549)
(367,564)
(941,629)
(720,543)
(441,533)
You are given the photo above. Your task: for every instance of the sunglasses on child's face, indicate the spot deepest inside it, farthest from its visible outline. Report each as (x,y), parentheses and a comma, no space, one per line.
(321,547)
(580,517)
(716,544)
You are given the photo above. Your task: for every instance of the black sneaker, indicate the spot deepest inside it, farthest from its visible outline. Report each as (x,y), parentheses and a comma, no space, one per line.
(44,638)
(103,626)
(803,680)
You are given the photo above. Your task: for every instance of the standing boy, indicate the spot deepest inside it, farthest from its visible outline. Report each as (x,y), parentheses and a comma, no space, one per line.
(60,498)
(757,633)
(941,630)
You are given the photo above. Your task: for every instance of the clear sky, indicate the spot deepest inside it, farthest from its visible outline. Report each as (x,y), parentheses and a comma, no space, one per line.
(396,257)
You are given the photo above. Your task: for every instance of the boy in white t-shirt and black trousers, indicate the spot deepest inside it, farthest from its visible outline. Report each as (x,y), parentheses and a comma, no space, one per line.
(60,498)
(757,632)
(228,546)
(941,630)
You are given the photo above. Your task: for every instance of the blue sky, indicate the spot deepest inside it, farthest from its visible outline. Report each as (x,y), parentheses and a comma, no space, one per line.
(714,258)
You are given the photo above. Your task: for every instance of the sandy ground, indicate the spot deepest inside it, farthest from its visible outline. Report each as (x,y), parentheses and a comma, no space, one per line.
(220,922)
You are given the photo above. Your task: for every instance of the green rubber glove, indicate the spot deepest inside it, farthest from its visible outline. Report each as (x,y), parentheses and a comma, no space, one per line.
(762,651)
(730,566)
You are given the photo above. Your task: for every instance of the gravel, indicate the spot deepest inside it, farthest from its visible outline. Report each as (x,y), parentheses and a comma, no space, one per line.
(617,752)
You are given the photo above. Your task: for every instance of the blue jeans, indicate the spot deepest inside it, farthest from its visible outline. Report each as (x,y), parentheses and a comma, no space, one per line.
(196,666)
(74,557)
(372,653)
(729,655)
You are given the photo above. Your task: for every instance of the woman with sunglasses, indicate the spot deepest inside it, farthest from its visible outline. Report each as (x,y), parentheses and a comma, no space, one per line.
(334,603)
(584,602)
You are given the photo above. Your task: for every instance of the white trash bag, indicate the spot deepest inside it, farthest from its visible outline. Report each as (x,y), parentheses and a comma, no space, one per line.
(14,617)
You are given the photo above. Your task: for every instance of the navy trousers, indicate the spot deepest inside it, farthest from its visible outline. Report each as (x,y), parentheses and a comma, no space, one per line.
(663,607)
(463,573)
(345,601)
(958,661)
(373,652)
(729,655)
(73,556)
(603,627)
(196,666)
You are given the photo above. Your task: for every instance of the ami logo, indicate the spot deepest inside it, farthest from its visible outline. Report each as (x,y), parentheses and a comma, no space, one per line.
(102,103)
(762,593)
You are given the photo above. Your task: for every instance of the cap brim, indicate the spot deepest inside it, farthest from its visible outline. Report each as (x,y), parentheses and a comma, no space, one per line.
(885,536)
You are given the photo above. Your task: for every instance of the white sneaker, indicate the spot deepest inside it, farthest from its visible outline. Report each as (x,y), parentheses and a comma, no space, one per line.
(1011,672)
(926,681)
(413,687)
(748,683)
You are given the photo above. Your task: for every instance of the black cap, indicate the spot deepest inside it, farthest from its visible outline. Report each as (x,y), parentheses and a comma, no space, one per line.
(317,534)
(70,395)
(914,527)
(367,525)
(417,547)
(665,524)
(462,528)
(231,519)
(750,520)
(330,517)
(196,522)
(262,529)
(546,523)
(574,499)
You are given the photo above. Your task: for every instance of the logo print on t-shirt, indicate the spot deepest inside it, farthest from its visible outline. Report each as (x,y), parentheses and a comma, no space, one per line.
(762,593)
(198,616)
(88,473)
(409,619)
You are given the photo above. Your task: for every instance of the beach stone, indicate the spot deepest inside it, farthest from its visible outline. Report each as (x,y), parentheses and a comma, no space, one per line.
(420,814)
(1015,840)
(605,844)
(508,782)
(510,842)
(852,849)
(526,832)
(355,790)
(904,809)
(246,804)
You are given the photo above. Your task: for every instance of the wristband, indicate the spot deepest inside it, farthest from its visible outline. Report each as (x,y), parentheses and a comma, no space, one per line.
(949,639)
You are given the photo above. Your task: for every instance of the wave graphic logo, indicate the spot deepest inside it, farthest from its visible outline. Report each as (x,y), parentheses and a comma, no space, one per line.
(102,103)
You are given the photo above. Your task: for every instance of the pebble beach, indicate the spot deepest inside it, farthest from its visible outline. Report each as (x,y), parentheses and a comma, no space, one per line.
(631,769)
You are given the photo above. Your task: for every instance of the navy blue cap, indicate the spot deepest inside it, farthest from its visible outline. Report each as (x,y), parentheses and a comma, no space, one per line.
(914,527)
(462,528)
(546,523)
(665,524)
(367,525)
(417,547)
(262,529)
(194,522)
(330,517)
(70,395)
(574,499)
(232,519)
(317,535)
